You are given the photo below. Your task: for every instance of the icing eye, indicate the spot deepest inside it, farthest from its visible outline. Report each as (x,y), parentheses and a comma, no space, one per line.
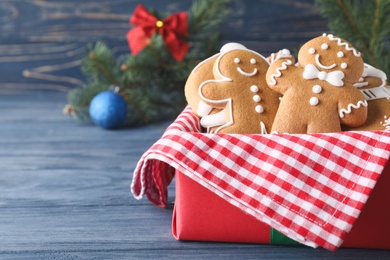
(324,46)
(312,51)
(236,60)
(340,54)
(344,65)
(253,61)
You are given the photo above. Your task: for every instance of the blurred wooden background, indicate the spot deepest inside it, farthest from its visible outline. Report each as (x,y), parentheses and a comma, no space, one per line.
(64,187)
(42,42)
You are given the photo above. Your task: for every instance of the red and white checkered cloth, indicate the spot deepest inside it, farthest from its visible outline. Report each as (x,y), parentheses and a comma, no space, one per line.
(309,187)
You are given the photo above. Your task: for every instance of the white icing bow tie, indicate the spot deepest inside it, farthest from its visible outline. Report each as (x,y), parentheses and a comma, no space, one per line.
(335,77)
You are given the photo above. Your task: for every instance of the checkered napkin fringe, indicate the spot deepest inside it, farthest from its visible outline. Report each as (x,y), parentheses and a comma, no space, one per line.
(309,187)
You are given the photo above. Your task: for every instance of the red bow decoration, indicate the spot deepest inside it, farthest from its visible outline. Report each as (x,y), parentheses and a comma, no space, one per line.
(171,29)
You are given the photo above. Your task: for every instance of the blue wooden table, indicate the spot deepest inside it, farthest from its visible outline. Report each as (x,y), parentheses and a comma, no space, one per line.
(64,185)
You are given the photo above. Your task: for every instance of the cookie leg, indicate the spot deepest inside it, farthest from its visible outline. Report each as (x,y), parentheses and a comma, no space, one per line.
(288,125)
(321,127)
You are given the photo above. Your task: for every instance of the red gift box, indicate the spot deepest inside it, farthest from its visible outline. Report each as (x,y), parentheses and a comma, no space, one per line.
(201,215)
(310,188)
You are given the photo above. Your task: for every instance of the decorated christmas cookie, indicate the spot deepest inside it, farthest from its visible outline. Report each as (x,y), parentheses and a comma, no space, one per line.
(204,71)
(238,90)
(373,86)
(318,92)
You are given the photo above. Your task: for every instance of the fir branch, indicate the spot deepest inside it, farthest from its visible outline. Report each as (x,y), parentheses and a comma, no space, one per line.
(207,15)
(101,65)
(152,81)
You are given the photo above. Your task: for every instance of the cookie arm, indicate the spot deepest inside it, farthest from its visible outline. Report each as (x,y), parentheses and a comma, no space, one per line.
(215,93)
(353,112)
(282,54)
(274,76)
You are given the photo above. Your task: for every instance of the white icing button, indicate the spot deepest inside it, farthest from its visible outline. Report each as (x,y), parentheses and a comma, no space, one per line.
(340,54)
(344,65)
(322,75)
(314,101)
(254,88)
(317,89)
(259,109)
(256,98)
(312,51)
(236,60)
(324,46)
(253,61)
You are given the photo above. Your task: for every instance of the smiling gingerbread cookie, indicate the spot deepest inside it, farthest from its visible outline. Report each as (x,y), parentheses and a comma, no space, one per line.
(204,71)
(239,91)
(318,92)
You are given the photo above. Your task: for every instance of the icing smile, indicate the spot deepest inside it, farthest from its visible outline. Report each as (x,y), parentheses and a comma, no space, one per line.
(246,73)
(323,66)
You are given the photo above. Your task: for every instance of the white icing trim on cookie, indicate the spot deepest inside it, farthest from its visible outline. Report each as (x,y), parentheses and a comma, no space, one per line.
(247,74)
(386,123)
(256,98)
(370,71)
(263,130)
(259,109)
(278,73)
(376,93)
(360,84)
(223,77)
(314,101)
(213,120)
(340,43)
(284,53)
(350,106)
(254,88)
(231,46)
(202,62)
(203,108)
(334,78)
(317,89)
(322,65)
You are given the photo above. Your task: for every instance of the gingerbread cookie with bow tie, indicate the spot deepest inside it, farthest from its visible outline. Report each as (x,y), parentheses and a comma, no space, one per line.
(373,86)
(318,92)
(238,91)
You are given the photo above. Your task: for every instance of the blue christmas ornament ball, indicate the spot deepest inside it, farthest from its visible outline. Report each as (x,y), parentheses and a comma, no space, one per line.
(108,109)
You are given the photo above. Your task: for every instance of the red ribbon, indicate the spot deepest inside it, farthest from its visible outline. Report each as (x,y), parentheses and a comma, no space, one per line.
(171,29)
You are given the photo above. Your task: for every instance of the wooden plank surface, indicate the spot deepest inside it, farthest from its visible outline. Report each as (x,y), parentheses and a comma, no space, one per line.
(65,193)
(42,42)
(64,185)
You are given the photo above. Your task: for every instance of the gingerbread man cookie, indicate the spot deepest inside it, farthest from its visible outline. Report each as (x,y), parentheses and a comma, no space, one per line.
(204,71)
(373,86)
(238,89)
(318,92)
